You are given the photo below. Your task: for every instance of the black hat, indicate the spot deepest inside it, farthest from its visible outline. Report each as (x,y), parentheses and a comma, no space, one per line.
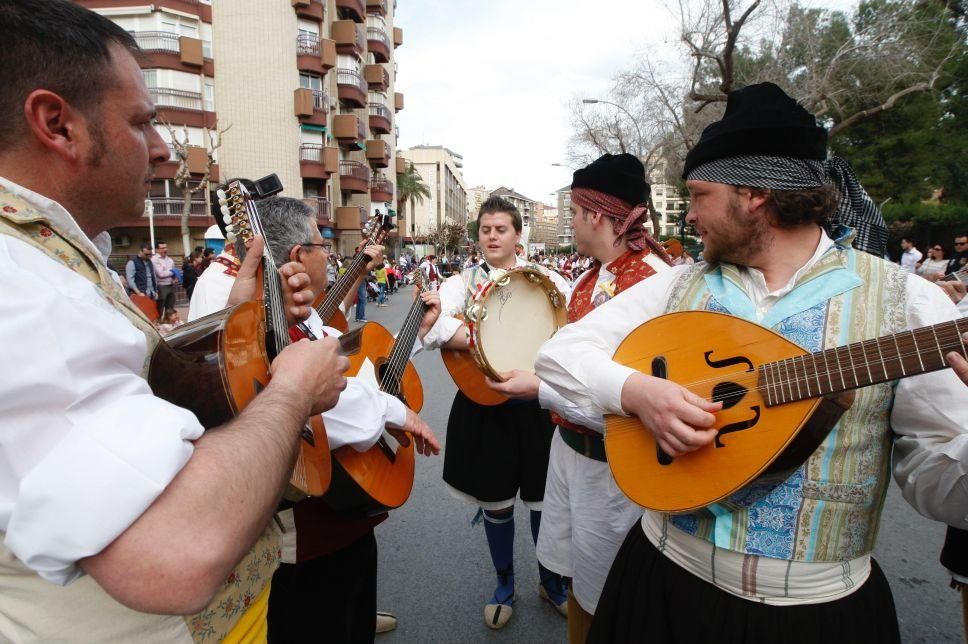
(619,175)
(760,119)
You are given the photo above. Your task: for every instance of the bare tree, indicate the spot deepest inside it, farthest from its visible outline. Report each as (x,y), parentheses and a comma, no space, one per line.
(183,176)
(844,68)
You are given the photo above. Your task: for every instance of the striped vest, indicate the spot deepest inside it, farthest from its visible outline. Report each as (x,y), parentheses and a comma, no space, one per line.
(829,509)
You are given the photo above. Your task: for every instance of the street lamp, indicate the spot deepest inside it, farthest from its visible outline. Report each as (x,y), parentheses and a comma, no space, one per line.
(594,101)
(563,165)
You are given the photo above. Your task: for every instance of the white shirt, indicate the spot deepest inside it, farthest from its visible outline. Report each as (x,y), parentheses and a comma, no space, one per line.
(85,446)
(362,411)
(211,290)
(929,416)
(910,259)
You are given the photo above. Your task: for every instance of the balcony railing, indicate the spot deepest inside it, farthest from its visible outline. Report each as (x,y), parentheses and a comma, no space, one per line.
(167,97)
(322,206)
(378,109)
(376,33)
(311,152)
(173,207)
(381,183)
(354,169)
(351,77)
(320,100)
(307,45)
(157,41)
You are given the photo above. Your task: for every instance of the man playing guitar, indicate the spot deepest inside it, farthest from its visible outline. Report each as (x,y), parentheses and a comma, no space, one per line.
(494,453)
(328,577)
(585,516)
(786,559)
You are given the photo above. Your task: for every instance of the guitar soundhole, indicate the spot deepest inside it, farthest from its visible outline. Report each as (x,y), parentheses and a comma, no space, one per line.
(729,393)
(660,370)
(390,384)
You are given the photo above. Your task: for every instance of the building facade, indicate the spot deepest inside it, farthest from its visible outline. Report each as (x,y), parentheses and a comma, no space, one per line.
(305,89)
(527,208)
(566,235)
(441,169)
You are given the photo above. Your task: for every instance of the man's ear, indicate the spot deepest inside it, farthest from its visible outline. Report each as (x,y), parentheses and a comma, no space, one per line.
(55,124)
(757,200)
(295,253)
(595,218)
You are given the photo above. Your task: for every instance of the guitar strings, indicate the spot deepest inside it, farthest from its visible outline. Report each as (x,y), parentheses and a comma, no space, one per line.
(398,361)
(751,377)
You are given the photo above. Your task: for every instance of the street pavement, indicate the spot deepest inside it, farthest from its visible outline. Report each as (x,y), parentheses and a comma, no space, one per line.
(435,573)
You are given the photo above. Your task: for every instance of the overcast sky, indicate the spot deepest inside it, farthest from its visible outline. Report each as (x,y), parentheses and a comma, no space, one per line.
(490,79)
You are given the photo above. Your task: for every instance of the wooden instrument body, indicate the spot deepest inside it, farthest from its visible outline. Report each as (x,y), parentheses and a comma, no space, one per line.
(716,353)
(468,376)
(368,483)
(215,366)
(147,305)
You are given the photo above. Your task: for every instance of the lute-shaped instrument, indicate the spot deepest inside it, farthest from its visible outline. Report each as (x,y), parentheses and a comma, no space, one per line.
(779,401)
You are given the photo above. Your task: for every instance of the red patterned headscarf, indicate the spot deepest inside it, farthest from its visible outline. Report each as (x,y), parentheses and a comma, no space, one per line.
(629,221)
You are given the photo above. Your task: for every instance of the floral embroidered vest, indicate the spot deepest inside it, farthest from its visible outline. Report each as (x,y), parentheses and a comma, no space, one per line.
(84,611)
(829,509)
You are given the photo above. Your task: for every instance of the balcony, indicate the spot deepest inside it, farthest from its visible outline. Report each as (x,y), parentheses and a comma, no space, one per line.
(378,44)
(173,208)
(308,53)
(349,130)
(327,54)
(310,9)
(378,7)
(317,161)
(166,50)
(377,78)
(350,38)
(354,177)
(310,105)
(381,118)
(176,98)
(323,209)
(350,217)
(381,188)
(397,102)
(355,10)
(397,37)
(378,153)
(352,87)
(401,164)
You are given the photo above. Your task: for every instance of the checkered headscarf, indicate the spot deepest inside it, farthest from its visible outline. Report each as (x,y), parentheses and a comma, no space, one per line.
(855,209)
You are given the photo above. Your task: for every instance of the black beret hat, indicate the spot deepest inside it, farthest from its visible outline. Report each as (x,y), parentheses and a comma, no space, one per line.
(620,175)
(760,119)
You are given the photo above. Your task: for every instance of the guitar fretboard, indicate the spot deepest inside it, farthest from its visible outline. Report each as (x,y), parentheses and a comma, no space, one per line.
(861,364)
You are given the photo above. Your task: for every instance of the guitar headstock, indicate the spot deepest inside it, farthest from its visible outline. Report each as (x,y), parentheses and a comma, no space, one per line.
(376,229)
(234,203)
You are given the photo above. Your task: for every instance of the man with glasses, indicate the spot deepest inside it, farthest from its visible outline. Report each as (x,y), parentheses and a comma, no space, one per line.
(327,581)
(960,257)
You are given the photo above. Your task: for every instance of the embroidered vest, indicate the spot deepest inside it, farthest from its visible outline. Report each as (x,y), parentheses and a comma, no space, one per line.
(629,269)
(82,611)
(829,509)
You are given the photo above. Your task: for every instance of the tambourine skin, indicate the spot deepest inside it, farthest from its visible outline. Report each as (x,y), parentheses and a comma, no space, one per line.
(509,319)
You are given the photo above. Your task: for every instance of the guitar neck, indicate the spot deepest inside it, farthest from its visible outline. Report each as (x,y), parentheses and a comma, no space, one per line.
(402,347)
(343,284)
(904,354)
(957,276)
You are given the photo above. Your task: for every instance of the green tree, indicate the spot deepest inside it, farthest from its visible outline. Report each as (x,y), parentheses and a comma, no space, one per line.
(410,189)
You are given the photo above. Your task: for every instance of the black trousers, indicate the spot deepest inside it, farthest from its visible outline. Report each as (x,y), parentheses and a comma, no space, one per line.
(648,598)
(329,599)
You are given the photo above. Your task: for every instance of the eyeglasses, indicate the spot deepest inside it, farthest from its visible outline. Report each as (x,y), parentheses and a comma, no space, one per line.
(327,247)
(957,243)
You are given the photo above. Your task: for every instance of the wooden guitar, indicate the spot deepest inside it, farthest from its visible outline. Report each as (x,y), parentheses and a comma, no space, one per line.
(960,275)
(779,401)
(217,364)
(381,478)
(327,304)
(468,376)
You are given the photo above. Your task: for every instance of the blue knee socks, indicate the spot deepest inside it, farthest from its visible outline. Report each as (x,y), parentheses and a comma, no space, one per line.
(553,582)
(499,528)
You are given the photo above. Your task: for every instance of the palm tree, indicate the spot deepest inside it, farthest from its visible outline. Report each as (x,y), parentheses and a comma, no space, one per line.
(410,187)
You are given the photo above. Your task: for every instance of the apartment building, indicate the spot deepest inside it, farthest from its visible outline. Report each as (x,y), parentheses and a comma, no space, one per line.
(476,197)
(566,236)
(544,228)
(524,205)
(442,171)
(304,88)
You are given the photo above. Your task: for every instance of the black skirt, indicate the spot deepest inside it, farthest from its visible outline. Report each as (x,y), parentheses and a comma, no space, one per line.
(493,453)
(648,598)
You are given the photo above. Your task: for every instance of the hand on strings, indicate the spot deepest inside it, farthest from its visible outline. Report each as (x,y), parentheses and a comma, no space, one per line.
(958,364)
(680,420)
(312,370)
(955,289)
(425,441)
(518,384)
(375,253)
(432,300)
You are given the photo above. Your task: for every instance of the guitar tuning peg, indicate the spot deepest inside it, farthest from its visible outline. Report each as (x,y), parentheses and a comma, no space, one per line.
(220,194)
(227,219)
(224,209)
(230,237)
